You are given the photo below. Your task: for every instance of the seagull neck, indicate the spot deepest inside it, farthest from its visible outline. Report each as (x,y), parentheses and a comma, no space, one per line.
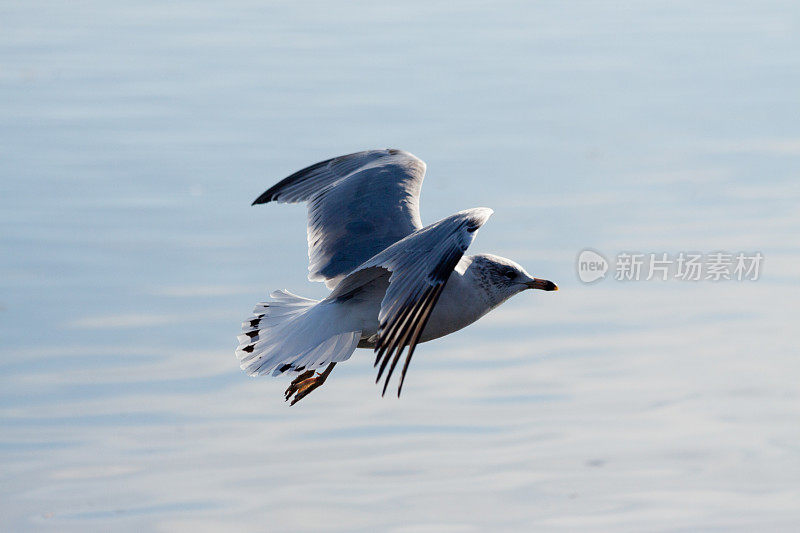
(461,304)
(479,281)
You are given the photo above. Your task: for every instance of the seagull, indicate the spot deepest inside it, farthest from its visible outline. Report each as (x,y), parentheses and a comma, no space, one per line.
(394,282)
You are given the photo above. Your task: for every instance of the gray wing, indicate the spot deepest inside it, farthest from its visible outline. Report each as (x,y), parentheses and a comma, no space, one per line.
(420,266)
(358,205)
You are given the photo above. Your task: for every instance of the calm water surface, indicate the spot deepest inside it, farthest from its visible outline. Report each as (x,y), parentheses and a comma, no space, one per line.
(133,137)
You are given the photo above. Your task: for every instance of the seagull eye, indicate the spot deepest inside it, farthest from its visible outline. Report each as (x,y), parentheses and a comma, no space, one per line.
(510,274)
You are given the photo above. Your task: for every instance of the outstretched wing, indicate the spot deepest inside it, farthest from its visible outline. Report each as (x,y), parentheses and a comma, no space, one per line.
(420,265)
(358,205)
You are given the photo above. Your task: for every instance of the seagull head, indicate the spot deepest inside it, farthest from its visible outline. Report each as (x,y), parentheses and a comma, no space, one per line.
(503,278)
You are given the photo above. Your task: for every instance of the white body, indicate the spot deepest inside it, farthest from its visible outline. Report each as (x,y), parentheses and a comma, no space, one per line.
(463,301)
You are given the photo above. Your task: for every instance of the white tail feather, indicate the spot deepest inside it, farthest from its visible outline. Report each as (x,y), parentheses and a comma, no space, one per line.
(291,334)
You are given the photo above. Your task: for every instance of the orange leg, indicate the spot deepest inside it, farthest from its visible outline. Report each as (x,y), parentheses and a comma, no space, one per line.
(307,382)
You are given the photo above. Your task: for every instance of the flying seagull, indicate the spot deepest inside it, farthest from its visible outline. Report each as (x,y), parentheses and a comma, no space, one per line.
(394,282)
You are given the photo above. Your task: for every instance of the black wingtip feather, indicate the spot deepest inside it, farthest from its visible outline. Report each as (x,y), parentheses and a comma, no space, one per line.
(274,192)
(406,327)
(266,197)
(418,332)
(404,331)
(395,334)
(397,355)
